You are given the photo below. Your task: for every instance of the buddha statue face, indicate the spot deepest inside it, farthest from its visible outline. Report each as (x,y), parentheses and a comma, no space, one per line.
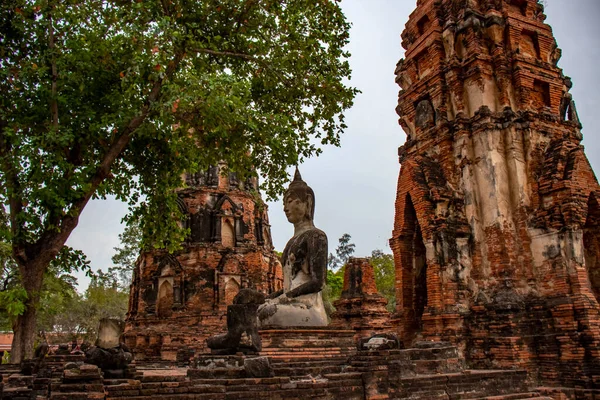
(297,210)
(299,201)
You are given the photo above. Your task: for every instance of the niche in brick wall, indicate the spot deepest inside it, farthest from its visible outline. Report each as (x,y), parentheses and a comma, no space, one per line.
(424,114)
(591,243)
(540,94)
(413,267)
(232,288)
(164,305)
(227,233)
(529,45)
(518,6)
(423,63)
(423,25)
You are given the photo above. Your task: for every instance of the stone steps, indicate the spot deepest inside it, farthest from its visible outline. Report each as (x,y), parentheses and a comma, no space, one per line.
(409,362)
(517,396)
(309,353)
(310,371)
(16,393)
(467,385)
(331,386)
(310,367)
(301,362)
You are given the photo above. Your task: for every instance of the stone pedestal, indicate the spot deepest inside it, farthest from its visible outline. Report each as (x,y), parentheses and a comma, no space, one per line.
(361,308)
(298,342)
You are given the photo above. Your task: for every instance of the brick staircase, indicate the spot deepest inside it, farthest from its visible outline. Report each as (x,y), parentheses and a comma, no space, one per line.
(174,387)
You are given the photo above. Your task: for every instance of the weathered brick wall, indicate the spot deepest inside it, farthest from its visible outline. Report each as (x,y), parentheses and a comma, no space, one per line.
(179,300)
(497,224)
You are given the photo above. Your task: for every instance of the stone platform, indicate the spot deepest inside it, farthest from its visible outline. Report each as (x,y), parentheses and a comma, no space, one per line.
(305,364)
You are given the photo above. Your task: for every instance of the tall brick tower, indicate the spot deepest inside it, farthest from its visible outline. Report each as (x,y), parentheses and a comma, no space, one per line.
(177,301)
(497,225)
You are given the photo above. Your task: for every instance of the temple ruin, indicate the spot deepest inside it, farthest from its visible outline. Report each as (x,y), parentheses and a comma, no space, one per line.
(178,300)
(495,237)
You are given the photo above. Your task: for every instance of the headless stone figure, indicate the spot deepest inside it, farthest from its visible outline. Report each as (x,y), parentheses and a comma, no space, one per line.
(300,302)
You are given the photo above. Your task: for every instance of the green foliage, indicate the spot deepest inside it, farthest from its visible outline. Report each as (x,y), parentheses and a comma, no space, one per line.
(385,276)
(57,297)
(126,255)
(12,294)
(12,304)
(103,299)
(100,91)
(57,291)
(335,282)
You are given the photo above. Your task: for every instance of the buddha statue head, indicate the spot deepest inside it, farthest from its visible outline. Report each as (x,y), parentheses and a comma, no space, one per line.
(299,200)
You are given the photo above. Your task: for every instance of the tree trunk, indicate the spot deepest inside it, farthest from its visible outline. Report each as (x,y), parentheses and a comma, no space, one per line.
(24,327)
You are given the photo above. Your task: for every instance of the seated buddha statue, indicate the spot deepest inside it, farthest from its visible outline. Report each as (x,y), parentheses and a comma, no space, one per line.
(304,260)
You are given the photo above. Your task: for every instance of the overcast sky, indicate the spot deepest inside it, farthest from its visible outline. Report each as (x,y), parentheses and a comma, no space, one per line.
(355,185)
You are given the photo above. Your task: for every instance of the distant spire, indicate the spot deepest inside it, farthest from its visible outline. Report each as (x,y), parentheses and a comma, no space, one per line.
(297,176)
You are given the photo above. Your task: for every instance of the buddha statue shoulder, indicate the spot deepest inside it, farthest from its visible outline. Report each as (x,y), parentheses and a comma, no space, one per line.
(300,302)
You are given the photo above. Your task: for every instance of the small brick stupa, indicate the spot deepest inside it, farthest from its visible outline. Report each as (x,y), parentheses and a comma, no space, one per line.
(496,237)
(360,307)
(177,301)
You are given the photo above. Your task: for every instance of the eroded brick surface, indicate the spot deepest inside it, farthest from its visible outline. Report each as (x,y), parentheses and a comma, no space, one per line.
(496,234)
(177,301)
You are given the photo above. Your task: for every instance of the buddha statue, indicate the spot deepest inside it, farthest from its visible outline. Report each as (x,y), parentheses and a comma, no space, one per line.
(300,302)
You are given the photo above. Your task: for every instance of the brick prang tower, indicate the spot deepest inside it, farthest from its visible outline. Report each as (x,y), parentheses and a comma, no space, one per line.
(179,300)
(497,223)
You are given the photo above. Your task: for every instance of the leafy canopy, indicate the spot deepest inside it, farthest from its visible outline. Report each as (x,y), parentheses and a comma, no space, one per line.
(119,97)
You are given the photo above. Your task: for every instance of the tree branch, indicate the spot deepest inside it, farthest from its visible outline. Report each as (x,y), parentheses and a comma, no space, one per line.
(54,89)
(50,242)
(165,7)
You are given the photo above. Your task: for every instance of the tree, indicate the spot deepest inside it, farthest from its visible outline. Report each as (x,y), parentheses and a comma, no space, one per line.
(120,97)
(385,276)
(335,271)
(126,255)
(343,252)
(102,299)
(72,315)
(57,294)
